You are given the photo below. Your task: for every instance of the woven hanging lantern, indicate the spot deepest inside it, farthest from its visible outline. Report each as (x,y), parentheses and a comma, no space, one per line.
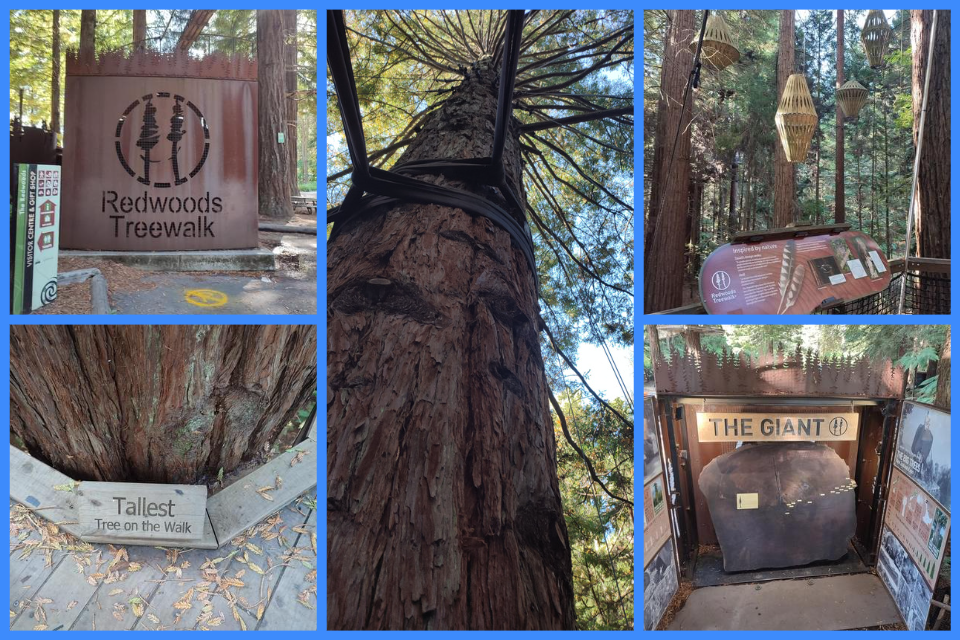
(852,96)
(875,36)
(718,51)
(796,118)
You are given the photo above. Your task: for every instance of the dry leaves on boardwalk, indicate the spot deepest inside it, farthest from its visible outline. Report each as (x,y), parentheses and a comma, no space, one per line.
(165,588)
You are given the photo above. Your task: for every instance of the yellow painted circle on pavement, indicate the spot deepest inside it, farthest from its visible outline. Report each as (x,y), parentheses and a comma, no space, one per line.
(205,297)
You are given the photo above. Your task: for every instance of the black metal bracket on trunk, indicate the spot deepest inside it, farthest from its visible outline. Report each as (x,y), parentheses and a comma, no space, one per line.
(390,187)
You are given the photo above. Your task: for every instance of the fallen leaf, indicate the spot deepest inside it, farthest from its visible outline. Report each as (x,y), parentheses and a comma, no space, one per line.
(118,616)
(152,618)
(137,609)
(260,611)
(254,548)
(115,592)
(40,627)
(134,567)
(215,622)
(254,567)
(297,458)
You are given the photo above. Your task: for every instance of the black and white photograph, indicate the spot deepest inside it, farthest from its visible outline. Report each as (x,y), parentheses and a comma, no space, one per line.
(659,585)
(906,583)
(923,450)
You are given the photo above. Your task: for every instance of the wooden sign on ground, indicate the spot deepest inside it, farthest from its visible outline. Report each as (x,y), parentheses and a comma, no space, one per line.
(127,512)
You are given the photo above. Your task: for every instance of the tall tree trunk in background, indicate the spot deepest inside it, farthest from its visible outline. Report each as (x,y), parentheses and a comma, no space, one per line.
(663,253)
(840,209)
(55,81)
(785,182)
(443,507)
(733,197)
(274,181)
(88,32)
(696,220)
(933,190)
(290,82)
(139,30)
(169,404)
(943,370)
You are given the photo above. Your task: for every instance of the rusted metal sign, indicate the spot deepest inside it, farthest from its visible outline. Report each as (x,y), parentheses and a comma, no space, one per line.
(779,505)
(160,153)
(776,427)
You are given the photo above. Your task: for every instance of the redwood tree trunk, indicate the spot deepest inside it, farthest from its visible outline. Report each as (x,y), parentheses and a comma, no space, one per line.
(88,32)
(840,209)
(290,83)
(663,253)
(443,508)
(55,81)
(274,181)
(156,404)
(139,29)
(933,190)
(784,189)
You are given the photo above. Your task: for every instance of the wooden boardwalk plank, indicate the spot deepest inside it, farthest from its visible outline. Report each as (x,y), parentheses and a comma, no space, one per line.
(238,506)
(284,612)
(98,612)
(62,587)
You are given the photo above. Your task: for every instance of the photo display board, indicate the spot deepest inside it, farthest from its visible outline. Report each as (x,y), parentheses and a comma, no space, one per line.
(660,573)
(917,517)
(794,275)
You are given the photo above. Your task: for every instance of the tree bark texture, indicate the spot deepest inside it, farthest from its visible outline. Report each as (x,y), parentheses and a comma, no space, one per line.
(664,252)
(785,182)
(840,209)
(169,404)
(139,29)
(55,81)
(88,33)
(933,190)
(943,375)
(443,507)
(290,83)
(274,182)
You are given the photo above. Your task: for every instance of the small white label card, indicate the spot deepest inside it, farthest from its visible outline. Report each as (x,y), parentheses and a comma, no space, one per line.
(838,279)
(877,262)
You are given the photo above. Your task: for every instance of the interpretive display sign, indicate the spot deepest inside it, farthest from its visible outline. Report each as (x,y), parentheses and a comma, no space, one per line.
(660,582)
(919,523)
(795,275)
(36,201)
(656,517)
(120,511)
(160,153)
(652,466)
(777,427)
(917,517)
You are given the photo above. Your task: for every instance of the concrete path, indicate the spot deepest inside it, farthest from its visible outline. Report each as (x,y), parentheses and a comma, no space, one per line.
(264,579)
(218,293)
(833,603)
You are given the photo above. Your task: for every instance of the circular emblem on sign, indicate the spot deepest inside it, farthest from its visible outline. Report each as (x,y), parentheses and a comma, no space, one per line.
(205,297)
(161,128)
(838,426)
(720,280)
(49,292)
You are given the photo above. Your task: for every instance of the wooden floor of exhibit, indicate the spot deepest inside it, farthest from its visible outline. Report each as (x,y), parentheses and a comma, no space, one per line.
(264,578)
(833,603)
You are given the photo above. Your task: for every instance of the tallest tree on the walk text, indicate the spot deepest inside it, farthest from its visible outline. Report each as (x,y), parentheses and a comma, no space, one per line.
(507,210)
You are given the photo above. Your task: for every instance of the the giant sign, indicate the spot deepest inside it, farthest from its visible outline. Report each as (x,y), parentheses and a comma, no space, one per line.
(36,197)
(121,511)
(795,275)
(777,427)
(160,153)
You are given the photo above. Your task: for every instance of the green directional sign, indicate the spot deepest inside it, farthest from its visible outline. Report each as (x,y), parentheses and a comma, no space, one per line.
(36,236)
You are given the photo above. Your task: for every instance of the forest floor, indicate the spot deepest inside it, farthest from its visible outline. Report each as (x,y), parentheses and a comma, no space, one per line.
(264,579)
(290,289)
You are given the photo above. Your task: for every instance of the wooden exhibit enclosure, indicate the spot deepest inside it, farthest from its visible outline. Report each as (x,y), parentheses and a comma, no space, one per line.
(798,500)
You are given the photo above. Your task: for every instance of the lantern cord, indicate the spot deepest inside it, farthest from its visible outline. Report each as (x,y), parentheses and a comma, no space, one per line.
(387,188)
(916,165)
(693,80)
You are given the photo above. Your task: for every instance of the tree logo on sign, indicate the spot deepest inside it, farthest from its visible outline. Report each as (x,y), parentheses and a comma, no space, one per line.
(160,148)
(720,280)
(838,426)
